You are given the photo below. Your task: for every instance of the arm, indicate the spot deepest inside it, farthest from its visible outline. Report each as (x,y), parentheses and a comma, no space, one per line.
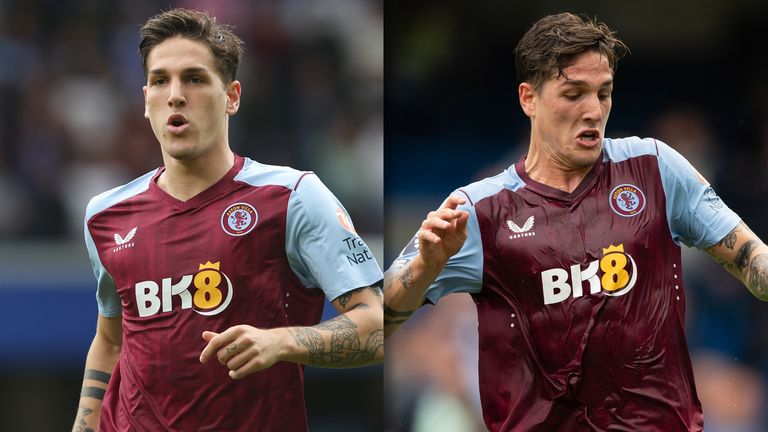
(441,236)
(745,256)
(101,360)
(354,338)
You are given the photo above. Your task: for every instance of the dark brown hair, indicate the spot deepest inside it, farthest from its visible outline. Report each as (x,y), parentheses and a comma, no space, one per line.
(554,42)
(195,25)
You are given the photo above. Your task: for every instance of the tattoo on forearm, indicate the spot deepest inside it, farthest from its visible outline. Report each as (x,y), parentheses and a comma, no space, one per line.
(80,423)
(311,340)
(392,316)
(97,375)
(406,278)
(345,347)
(758,275)
(742,257)
(93,392)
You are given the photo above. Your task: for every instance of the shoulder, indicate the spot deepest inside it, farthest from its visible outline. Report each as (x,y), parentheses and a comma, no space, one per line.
(621,149)
(259,174)
(506,180)
(116,195)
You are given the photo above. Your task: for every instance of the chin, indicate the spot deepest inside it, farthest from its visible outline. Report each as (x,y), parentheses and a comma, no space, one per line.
(183,153)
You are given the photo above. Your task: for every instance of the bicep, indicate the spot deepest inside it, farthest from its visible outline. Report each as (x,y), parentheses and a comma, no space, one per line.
(734,251)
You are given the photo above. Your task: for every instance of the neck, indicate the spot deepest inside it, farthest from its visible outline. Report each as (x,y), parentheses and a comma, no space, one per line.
(183,179)
(548,169)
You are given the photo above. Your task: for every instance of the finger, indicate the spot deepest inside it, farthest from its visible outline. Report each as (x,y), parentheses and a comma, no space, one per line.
(253,365)
(461,221)
(426,236)
(227,352)
(435,223)
(446,214)
(226,337)
(453,201)
(208,335)
(240,359)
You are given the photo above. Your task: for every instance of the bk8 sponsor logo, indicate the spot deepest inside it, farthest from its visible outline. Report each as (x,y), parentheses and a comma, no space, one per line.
(213,292)
(619,274)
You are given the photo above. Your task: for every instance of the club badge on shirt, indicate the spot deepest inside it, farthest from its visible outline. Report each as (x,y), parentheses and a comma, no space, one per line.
(239,219)
(627,200)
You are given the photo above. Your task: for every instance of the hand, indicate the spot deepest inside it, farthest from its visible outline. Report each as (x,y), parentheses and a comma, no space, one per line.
(243,349)
(443,232)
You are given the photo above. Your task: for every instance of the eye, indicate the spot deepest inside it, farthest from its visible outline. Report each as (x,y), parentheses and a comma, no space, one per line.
(196,80)
(571,97)
(158,81)
(604,96)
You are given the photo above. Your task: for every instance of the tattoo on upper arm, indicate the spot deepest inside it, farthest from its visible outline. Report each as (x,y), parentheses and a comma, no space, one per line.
(730,239)
(347,296)
(742,257)
(80,423)
(345,348)
(758,275)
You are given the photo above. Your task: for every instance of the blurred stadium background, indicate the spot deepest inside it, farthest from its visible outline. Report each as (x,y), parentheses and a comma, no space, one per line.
(71,126)
(696,79)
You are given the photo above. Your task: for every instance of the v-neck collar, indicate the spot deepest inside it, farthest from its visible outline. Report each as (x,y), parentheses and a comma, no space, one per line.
(561,195)
(203,197)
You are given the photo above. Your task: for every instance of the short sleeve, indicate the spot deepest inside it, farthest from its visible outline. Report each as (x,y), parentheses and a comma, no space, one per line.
(464,271)
(321,243)
(696,215)
(107,298)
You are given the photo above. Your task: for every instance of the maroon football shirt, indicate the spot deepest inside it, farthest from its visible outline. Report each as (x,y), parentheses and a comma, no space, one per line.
(252,249)
(579,295)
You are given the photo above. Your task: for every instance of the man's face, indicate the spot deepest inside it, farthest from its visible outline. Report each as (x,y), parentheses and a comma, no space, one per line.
(568,115)
(186,101)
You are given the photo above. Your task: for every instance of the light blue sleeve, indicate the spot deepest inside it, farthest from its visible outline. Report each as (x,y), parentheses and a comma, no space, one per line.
(322,246)
(463,272)
(107,298)
(696,215)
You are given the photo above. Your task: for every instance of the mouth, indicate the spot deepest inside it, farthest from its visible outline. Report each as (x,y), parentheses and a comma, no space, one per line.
(588,137)
(177,123)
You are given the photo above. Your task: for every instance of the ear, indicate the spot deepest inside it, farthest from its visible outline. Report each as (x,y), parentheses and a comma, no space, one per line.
(146,107)
(527,95)
(233,97)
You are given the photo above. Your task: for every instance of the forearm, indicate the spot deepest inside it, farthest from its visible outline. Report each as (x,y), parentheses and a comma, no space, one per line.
(404,291)
(101,360)
(352,339)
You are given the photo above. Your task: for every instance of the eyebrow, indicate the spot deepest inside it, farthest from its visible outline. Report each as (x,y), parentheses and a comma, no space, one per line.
(582,83)
(190,70)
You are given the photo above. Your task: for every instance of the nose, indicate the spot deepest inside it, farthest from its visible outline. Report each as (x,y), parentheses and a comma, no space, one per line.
(593,109)
(176,97)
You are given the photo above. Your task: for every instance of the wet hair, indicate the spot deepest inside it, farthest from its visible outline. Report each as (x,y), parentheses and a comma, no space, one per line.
(553,43)
(227,48)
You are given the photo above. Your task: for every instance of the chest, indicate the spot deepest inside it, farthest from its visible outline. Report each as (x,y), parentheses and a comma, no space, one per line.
(164,257)
(624,209)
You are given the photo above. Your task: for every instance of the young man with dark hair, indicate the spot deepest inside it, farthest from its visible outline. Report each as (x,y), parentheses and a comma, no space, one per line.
(572,255)
(212,270)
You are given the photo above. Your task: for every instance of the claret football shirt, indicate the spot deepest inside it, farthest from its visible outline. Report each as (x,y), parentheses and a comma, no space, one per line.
(263,247)
(579,295)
